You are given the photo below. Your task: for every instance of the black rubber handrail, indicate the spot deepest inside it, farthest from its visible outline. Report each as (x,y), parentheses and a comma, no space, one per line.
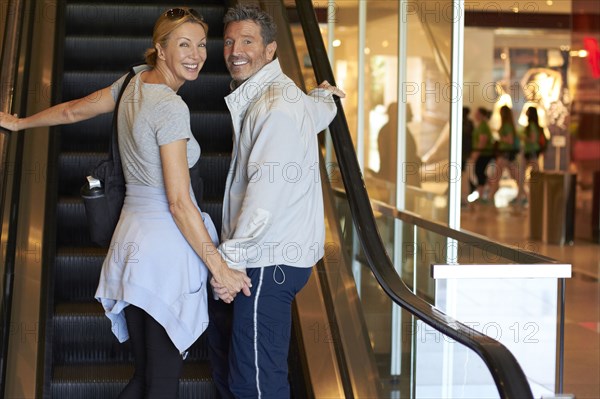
(506,371)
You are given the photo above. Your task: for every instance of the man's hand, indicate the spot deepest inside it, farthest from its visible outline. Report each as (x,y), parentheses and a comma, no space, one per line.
(231,283)
(333,89)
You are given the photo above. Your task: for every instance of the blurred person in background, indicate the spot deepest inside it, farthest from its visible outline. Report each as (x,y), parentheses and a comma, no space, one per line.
(535,142)
(467,185)
(483,150)
(507,154)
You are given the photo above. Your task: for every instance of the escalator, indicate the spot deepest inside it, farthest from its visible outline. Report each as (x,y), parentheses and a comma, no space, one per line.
(98,43)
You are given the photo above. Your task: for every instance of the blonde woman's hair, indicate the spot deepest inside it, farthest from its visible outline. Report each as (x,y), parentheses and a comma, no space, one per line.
(163,28)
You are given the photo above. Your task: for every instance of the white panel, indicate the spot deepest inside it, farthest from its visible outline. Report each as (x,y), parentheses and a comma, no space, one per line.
(501,271)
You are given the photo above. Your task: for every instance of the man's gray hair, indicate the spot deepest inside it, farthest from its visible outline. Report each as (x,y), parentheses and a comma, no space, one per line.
(247,12)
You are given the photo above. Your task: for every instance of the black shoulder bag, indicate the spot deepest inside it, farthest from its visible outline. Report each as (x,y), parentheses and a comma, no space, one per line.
(104,192)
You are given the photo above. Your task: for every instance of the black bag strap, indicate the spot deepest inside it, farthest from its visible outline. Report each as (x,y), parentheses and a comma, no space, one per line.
(113,147)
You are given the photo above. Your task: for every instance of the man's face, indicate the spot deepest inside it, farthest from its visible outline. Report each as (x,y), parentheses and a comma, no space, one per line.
(244,51)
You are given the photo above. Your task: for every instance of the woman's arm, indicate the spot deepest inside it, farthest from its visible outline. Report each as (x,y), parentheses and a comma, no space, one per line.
(94,104)
(189,220)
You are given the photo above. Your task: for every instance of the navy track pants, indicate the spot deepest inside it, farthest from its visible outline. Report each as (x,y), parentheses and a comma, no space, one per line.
(254,361)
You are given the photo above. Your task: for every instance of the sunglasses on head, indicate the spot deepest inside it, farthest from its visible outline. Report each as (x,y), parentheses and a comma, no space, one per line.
(177,13)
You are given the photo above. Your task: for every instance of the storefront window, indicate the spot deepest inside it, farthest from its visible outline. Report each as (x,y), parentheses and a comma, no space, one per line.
(365,46)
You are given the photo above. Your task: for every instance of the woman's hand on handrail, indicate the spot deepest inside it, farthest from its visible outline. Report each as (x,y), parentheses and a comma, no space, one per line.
(9,122)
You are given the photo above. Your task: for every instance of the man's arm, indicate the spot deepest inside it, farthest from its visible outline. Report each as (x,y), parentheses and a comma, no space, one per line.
(274,163)
(321,107)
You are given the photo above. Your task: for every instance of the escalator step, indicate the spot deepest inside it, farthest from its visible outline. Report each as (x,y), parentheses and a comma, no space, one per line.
(71,223)
(79,84)
(104,53)
(213,169)
(118,53)
(77,271)
(198,95)
(215,210)
(82,335)
(207,93)
(212,129)
(87,136)
(107,380)
(100,18)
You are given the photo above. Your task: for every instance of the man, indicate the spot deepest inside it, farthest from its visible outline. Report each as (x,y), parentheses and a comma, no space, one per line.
(273,222)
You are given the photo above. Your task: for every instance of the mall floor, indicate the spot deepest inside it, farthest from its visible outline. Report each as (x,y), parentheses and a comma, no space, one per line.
(510,224)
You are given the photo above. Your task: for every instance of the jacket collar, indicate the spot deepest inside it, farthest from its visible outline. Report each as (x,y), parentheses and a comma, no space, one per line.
(251,89)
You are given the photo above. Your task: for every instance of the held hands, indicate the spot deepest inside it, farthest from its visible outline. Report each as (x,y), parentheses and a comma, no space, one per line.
(230,283)
(8,121)
(333,89)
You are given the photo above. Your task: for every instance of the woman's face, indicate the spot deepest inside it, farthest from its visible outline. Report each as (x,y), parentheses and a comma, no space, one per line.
(185,52)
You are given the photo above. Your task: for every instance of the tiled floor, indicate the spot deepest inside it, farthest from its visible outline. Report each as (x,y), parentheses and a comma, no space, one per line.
(510,225)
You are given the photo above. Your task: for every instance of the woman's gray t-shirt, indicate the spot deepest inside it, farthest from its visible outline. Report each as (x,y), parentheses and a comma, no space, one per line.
(150,115)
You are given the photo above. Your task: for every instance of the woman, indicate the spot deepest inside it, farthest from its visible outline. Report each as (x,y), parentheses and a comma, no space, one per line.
(153,281)
(483,150)
(508,150)
(533,132)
